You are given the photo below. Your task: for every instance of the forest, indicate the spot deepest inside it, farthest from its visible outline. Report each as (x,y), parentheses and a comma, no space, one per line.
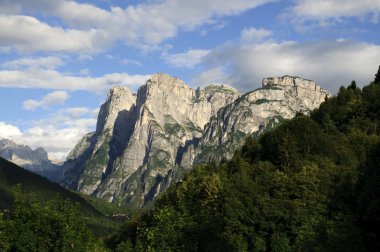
(310,184)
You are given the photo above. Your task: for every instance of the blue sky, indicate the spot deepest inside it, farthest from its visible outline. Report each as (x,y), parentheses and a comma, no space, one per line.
(59,58)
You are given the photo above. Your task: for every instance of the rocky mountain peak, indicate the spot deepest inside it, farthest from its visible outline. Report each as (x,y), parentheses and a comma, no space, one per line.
(116,92)
(118,99)
(144,142)
(34,160)
(163,79)
(6,143)
(9,148)
(213,88)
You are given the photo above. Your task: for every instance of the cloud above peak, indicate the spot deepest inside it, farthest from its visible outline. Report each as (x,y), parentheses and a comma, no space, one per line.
(90,28)
(187,59)
(331,63)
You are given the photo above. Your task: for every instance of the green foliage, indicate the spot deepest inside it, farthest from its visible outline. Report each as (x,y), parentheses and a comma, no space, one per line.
(105,207)
(261,101)
(173,128)
(92,210)
(377,77)
(51,226)
(4,245)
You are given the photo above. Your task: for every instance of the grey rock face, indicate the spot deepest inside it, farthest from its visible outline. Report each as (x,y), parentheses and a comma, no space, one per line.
(33,160)
(279,98)
(134,152)
(143,142)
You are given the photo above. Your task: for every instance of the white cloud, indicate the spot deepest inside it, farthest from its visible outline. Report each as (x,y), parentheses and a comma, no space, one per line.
(188,59)
(131,62)
(250,35)
(330,63)
(52,79)
(308,15)
(150,24)
(215,75)
(49,62)
(92,28)
(9,131)
(84,72)
(323,9)
(79,14)
(77,112)
(26,34)
(56,97)
(57,134)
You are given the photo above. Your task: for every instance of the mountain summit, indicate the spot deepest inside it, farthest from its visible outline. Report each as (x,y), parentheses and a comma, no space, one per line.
(143,142)
(36,161)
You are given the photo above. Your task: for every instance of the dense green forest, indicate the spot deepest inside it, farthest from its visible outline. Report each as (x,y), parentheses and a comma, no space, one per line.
(310,184)
(38,215)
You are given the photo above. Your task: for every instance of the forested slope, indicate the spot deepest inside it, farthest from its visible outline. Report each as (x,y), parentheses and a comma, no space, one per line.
(311,184)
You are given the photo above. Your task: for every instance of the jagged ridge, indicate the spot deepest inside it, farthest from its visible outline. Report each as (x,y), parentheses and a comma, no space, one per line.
(145,141)
(36,161)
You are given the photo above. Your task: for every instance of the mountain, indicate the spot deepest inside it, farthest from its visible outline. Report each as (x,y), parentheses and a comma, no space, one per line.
(143,142)
(36,161)
(310,184)
(279,98)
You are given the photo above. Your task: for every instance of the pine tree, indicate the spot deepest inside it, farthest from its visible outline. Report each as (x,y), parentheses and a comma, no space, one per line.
(377,77)
(353,85)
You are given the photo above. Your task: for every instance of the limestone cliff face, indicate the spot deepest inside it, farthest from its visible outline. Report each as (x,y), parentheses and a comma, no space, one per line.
(93,156)
(33,160)
(139,139)
(279,98)
(143,142)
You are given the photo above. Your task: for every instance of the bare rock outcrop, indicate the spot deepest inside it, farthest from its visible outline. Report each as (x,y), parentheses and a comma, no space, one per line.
(143,142)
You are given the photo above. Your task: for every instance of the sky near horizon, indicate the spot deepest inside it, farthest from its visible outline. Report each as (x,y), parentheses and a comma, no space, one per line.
(59,58)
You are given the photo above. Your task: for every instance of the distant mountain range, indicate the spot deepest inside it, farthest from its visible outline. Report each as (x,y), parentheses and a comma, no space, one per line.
(36,161)
(145,141)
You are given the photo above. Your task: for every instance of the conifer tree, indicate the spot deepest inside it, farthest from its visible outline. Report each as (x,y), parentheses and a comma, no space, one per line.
(377,77)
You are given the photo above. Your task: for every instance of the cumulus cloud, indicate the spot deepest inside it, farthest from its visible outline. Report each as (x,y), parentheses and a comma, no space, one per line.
(27,34)
(9,131)
(53,79)
(49,62)
(250,35)
(188,59)
(57,134)
(330,63)
(322,9)
(93,28)
(214,75)
(57,97)
(308,15)
(79,14)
